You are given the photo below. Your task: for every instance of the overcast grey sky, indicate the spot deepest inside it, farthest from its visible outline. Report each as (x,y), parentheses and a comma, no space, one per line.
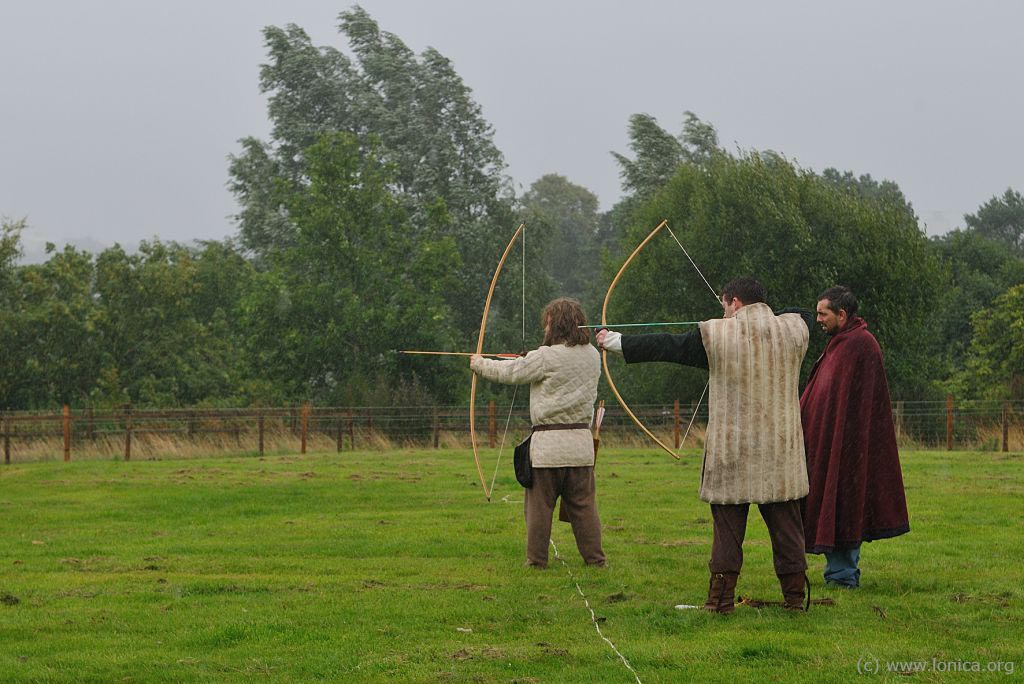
(117,116)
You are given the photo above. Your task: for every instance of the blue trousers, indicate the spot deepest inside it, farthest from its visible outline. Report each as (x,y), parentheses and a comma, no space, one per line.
(841,567)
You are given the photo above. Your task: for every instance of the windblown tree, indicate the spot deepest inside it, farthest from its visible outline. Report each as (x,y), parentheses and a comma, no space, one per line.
(431,134)
(657,155)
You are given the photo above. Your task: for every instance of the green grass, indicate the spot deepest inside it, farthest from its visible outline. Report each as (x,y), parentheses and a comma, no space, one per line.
(376,566)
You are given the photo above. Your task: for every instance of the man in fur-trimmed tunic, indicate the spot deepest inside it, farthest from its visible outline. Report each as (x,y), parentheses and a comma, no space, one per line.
(754,447)
(856,485)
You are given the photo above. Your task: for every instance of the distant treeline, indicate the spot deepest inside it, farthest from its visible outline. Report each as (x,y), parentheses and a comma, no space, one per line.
(372,219)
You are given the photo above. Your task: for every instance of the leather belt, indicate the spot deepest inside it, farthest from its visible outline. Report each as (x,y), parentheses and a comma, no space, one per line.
(561,426)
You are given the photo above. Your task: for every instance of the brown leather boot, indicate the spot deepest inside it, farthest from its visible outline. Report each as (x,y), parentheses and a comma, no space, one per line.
(793,590)
(722,593)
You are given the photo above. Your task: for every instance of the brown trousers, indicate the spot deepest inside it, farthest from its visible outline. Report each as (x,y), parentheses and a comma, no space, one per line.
(579,503)
(785,527)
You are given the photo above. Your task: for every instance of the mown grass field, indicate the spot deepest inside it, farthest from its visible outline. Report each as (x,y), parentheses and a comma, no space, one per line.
(368,566)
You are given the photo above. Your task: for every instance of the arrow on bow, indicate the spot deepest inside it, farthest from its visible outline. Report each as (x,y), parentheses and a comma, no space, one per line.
(448,353)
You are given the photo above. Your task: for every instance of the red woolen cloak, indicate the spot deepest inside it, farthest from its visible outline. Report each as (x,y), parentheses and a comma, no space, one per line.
(853,465)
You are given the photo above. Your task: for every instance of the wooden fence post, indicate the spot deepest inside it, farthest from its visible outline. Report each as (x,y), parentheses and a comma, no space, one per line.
(899,421)
(351,431)
(1006,426)
(7,441)
(492,424)
(435,425)
(305,426)
(337,428)
(949,422)
(259,425)
(675,421)
(67,433)
(127,432)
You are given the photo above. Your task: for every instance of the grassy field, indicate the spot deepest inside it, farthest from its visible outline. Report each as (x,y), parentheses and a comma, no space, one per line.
(373,566)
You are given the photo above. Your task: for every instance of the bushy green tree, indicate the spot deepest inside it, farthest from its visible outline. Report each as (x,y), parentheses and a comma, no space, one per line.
(167,325)
(981,269)
(995,365)
(885,193)
(358,282)
(1001,219)
(10,251)
(758,214)
(48,324)
(430,132)
(565,215)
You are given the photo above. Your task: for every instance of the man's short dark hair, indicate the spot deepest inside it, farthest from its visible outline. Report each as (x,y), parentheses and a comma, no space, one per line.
(746,289)
(840,298)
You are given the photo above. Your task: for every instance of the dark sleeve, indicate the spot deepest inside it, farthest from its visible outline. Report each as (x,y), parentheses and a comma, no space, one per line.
(686,349)
(810,317)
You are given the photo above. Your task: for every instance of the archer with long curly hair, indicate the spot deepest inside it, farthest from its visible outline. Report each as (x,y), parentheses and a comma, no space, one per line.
(563,376)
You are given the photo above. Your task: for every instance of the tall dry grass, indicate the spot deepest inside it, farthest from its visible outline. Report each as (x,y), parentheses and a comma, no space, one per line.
(176,445)
(156,446)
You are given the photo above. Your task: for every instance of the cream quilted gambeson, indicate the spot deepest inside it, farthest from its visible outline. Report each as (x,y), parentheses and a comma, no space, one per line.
(563,388)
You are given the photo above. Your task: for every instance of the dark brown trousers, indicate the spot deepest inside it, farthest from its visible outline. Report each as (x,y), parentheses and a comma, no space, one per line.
(579,503)
(785,527)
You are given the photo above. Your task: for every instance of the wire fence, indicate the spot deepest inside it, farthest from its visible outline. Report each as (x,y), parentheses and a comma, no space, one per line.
(129,433)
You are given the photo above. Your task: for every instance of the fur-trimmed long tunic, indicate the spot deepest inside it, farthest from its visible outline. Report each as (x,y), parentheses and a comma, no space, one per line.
(754,448)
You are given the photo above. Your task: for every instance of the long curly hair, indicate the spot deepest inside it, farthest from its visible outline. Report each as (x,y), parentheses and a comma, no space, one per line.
(561,321)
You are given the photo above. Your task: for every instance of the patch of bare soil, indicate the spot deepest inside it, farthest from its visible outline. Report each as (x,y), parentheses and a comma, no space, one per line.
(550,650)
(1002,599)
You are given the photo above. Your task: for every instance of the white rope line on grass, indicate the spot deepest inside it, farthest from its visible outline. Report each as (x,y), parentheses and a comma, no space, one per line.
(593,615)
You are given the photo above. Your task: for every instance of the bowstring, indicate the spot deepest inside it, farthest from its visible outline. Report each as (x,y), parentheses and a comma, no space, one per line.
(713,293)
(708,384)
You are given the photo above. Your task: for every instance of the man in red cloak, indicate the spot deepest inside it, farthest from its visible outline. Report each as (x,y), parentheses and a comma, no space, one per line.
(853,466)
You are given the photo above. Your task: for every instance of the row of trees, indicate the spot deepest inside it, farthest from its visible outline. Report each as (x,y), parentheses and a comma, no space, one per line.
(372,218)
